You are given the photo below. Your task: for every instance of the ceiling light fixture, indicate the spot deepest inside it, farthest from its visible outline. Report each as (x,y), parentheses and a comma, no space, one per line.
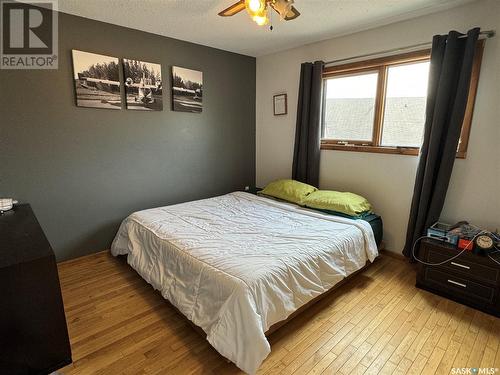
(261,20)
(258,10)
(255,7)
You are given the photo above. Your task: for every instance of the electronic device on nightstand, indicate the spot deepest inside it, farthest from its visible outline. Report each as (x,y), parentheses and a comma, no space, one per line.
(442,232)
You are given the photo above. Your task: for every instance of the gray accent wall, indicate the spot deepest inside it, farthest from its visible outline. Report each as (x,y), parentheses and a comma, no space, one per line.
(84,170)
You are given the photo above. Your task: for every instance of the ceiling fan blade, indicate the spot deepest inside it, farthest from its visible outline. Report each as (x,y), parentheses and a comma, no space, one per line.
(292,14)
(233,9)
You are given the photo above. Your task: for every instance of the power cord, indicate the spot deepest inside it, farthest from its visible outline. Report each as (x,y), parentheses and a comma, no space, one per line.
(493,259)
(482,231)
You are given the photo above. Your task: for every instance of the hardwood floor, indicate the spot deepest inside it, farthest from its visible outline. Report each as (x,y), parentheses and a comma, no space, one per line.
(378,323)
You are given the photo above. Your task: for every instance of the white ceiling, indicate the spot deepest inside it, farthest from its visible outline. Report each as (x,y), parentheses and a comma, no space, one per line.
(197,20)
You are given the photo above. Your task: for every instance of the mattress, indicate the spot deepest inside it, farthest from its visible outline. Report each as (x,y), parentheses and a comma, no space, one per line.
(377,225)
(238,263)
(373,219)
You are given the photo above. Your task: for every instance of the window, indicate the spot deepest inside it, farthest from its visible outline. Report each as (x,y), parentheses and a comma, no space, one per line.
(379,105)
(404,110)
(350,106)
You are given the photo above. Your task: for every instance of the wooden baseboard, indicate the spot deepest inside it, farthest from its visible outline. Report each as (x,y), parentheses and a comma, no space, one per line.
(69,261)
(393,255)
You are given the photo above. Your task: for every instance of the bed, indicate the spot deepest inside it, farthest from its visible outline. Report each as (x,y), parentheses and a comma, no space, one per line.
(238,264)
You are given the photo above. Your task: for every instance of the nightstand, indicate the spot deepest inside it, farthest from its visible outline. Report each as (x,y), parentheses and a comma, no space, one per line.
(469,279)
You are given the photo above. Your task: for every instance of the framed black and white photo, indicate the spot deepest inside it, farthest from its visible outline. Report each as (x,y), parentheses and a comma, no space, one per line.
(97,80)
(143,85)
(280,104)
(187,90)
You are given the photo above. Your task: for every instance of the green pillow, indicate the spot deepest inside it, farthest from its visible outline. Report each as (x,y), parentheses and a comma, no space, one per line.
(344,202)
(288,190)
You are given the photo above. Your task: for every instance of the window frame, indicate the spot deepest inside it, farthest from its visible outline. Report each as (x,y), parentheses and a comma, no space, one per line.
(381,65)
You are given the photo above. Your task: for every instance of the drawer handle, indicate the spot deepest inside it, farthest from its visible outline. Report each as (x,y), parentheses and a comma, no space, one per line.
(457,283)
(461,265)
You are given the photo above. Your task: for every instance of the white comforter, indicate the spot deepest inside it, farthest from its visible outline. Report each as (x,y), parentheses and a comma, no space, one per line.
(236,264)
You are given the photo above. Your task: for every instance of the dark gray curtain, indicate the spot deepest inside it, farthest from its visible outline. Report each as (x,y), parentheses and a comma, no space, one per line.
(452,57)
(308,131)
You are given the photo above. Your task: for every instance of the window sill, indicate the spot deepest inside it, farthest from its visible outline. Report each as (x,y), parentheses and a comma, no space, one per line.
(413,151)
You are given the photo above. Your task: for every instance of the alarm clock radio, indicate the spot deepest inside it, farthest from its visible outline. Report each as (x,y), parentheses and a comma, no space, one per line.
(483,244)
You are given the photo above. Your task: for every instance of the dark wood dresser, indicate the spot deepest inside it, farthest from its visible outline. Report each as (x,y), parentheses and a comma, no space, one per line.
(470,279)
(33,333)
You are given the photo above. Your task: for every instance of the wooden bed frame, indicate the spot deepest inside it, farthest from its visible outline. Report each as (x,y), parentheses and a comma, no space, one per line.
(280,324)
(315,300)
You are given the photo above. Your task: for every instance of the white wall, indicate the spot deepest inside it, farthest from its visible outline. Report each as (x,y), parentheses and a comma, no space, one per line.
(387,180)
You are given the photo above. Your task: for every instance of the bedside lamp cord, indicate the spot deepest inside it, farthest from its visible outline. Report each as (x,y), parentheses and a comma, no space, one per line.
(460,253)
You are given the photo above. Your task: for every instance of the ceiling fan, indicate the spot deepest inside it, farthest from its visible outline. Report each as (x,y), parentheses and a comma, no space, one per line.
(257,9)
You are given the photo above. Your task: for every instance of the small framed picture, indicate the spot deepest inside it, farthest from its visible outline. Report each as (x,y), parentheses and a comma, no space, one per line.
(280,104)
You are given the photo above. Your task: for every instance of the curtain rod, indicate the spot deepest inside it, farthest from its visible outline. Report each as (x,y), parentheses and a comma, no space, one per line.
(482,35)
